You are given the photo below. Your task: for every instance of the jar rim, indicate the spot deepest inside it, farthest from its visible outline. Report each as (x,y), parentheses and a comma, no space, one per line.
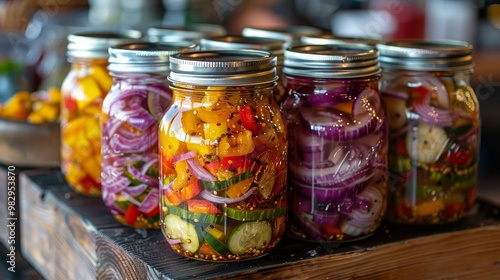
(426,55)
(95,44)
(223,67)
(347,60)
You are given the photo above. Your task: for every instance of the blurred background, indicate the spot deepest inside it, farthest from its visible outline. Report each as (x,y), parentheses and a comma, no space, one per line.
(33,36)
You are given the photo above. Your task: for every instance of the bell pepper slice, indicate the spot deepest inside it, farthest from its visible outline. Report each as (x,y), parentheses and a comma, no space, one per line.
(239,145)
(202,206)
(132,214)
(247,117)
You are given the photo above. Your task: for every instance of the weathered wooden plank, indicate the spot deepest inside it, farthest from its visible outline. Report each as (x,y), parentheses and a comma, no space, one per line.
(59,227)
(74,237)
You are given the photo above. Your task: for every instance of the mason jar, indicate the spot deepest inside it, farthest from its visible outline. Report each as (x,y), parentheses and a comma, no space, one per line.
(191,32)
(337,129)
(223,153)
(83,91)
(434,125)
(274,46)
(131,112)
(330,39)
(291,34)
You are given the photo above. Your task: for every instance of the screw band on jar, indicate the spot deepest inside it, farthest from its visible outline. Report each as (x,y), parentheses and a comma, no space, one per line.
(434,130)
(338,142)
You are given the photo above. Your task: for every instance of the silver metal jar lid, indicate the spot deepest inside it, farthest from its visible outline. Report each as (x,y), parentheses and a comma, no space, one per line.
(223,67)
(332,61)
(426,55)
(238,42)
(291,35)
(145,57)
(330,39)
(191,32)
(96,44)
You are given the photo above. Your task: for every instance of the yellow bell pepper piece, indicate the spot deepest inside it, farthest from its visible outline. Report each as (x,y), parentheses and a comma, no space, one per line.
(170,146)
(49,111)
(102,77)
(92,167)
(214,131)
(200,149)
(191,123)
(239,188)
(54,95)
(428,208)
(74,126)
(90,91)
(35,117)
(212,116)
(18,106)
(240,145)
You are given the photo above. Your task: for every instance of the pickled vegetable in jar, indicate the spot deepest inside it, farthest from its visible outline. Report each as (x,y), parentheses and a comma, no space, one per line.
(223,154)
(83,91)
(434,128)
(274,46)
(337,125)
(131,113)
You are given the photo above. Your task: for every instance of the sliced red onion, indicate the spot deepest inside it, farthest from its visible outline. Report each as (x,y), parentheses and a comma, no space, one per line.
(364,220)
(199,172)
(183,156)
(150,202)
(138,118)
(121,144)
(338,127)
(136,190)
(433,115)
(108,197)
(304,223)
(367,102)
(225,200)
(329,98)
(345,206)
(153,182)
(399,87)
(119,161)
(131,199)
(149,164)
(310,143)
(115,185)
(325,218)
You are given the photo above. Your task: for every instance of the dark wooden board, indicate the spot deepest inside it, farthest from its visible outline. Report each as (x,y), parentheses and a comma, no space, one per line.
(75,237)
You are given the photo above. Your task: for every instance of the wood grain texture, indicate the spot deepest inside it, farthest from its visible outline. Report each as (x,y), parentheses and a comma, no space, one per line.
(78,239)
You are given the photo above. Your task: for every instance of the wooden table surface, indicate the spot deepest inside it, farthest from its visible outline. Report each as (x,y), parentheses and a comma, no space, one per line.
(68,236)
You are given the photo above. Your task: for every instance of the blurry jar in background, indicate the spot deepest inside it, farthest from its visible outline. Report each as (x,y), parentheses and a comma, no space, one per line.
(291,35)
(407,18)
(330,39)
(131,113)
(434,127)
(237,42)
(191,32)
(83,91)
(337,126)
(223,154)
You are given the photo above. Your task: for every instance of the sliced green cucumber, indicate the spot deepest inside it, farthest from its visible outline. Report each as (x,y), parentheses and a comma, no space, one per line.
(254,215)
(215,238)
(222,185)
(177,228)
(249,235)
(196,217)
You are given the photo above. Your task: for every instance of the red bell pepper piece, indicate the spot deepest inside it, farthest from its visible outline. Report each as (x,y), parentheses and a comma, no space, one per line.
(132,214)
(247,117)
(202,206)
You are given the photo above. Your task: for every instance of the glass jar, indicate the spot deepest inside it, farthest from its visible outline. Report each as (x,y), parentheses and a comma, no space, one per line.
(337,129)
(223,153)
(83,90)
(434,127)
(274,46)
(131,112)
(190,32)
(330,39)
(291,34)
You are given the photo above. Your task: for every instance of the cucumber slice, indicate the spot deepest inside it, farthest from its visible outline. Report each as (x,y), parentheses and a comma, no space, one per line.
(254,215)
(222,185)
(196,217)
(177,228)
(249,235)
(216,242)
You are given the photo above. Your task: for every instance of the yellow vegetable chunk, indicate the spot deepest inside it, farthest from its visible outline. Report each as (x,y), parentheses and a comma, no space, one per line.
(214,131)
(90,92)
